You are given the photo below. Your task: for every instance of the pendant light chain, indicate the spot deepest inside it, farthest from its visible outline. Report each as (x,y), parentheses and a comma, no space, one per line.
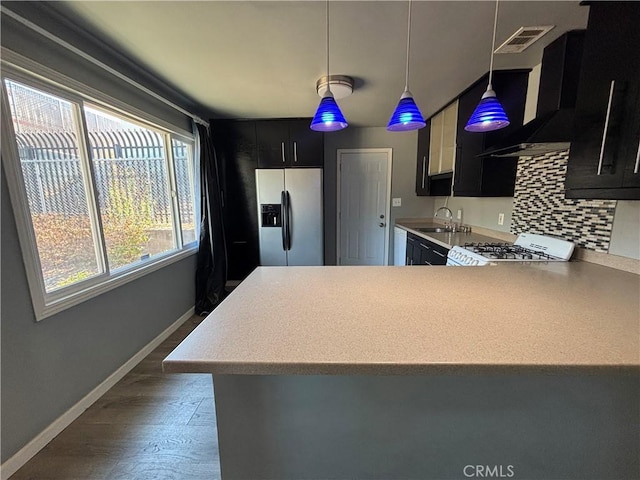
(406,81)
(493,43)
(328,79)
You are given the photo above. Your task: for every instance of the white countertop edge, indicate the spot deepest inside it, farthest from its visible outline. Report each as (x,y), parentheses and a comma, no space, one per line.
(382,369)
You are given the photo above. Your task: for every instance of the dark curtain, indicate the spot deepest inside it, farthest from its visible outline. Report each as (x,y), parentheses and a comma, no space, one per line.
(211,272)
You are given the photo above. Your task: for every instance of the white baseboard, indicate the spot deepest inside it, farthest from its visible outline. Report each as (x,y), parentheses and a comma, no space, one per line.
(13,464)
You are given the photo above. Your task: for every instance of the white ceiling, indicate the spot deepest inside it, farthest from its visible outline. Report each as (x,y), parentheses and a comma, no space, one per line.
(261,59)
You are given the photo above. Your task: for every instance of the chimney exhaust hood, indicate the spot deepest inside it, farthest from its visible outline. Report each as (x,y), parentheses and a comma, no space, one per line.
(551,130)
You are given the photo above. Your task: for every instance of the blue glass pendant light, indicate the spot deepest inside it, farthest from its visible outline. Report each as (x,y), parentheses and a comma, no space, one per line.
(489,114)
(328,117)
(407,115)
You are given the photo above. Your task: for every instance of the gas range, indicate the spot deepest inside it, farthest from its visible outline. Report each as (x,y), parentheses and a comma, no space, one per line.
(528,247)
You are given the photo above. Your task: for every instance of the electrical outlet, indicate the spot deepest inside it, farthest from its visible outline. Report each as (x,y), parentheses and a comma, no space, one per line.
(396,202)
(501,219)
(459,214)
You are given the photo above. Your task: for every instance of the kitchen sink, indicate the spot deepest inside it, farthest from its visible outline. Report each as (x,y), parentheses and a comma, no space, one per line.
(434,229)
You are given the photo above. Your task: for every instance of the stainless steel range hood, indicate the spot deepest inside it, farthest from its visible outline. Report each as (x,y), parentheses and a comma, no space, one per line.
(552,129)
(544,134)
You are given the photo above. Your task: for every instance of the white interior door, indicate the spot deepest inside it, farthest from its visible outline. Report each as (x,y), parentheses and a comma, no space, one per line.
(364,189)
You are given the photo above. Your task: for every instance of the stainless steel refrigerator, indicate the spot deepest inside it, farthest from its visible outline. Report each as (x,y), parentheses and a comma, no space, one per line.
(290,216)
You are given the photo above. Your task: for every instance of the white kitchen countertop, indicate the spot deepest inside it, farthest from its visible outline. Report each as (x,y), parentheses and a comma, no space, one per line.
(402,320)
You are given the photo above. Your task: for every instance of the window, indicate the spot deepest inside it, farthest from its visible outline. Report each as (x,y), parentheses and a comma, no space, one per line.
(105,195)
(132,181)
(182,155)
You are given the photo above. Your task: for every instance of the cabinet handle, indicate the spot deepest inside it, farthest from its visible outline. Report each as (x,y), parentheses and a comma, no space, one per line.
(282,149)
(606,127)
(424,169)
(438,253)
(635,169)
(423,245)
(295,152)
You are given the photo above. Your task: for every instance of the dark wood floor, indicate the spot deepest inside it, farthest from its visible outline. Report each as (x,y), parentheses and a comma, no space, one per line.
(149,426)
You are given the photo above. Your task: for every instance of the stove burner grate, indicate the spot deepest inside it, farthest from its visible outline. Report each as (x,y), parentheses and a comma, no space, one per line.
(506,251)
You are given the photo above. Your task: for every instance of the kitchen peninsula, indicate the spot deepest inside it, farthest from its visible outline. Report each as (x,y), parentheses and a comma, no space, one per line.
(395,372)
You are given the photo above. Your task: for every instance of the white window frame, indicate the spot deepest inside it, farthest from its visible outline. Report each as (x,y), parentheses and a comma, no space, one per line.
(46,303)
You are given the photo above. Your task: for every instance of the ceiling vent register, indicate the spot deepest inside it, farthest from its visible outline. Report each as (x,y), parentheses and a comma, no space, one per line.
(522,39)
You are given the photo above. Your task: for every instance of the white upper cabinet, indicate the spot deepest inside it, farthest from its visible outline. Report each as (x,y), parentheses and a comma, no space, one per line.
(442,149)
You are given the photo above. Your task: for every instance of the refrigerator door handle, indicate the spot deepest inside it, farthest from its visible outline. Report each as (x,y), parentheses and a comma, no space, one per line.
(288,227)
(283,229)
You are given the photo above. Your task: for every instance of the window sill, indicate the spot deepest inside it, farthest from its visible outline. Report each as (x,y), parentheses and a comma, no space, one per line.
(59,304)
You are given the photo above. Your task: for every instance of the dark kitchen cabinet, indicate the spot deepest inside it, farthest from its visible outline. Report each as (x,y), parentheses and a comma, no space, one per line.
(431,253)
(422,161)
(605,149)
(412,248)
(477,176)
(289,143)
(241,147)
(236,151)
(421,251)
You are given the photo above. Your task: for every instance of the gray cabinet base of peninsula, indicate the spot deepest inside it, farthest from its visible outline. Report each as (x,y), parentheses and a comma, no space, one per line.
(449,426)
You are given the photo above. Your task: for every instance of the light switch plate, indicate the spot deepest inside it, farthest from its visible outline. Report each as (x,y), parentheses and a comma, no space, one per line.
(459,214)
(396,202)
(501,219)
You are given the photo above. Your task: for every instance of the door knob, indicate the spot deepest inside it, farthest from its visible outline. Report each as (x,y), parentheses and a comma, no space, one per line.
(381,224)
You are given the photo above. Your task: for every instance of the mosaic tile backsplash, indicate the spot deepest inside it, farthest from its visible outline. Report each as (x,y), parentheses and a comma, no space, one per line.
(539,205)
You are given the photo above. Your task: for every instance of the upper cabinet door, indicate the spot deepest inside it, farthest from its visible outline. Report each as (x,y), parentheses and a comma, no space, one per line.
(604,149)
(449,127)
(422,161)
(306,146)
(435,146)
(468,181)
(273,143)
(442,149)
(632,167)
(477,176)
(289,143)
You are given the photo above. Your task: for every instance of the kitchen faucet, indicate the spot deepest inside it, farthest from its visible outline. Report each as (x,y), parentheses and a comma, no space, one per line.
(450,214)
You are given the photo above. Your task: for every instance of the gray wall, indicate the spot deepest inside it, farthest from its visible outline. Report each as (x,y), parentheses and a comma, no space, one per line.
(49,366)
(403,177)
(625,236)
